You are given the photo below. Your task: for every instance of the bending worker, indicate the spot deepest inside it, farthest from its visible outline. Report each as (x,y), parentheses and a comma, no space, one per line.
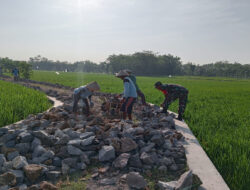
(85,93)
(173,92)
(139,92)
(129,94)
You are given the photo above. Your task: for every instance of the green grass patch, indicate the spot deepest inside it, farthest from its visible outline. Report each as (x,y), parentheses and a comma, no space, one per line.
(17,102)
(218,113)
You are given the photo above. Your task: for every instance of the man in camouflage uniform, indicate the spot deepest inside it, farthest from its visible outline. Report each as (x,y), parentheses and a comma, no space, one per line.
(173,92)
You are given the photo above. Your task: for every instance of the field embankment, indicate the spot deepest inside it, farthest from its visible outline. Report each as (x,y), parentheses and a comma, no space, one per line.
(218,113)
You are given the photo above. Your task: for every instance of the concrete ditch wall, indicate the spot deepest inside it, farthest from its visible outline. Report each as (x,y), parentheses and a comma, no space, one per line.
(199,162)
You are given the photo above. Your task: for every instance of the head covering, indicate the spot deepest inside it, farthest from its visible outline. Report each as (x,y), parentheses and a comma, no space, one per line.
(158,84)
(93,86)
(122,73)
(128,71)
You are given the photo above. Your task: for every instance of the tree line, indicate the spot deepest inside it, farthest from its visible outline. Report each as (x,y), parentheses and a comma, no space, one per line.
(7,65)
(145,63)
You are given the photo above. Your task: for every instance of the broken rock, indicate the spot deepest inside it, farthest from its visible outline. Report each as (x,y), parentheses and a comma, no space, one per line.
(121,161)
(33,172)
(127,144)
(135,180)
(8,178)
(106,153)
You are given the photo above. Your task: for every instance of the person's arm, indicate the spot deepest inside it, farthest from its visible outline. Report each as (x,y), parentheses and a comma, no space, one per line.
(90,98)
(90,102)
(165,92)
(126,88)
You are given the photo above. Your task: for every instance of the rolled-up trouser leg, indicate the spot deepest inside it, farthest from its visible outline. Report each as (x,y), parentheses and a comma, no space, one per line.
(182,104)
(143,100)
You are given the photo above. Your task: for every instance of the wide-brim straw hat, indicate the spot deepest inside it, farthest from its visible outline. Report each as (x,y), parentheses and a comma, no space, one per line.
(122,73)
(128,71)
(93,86)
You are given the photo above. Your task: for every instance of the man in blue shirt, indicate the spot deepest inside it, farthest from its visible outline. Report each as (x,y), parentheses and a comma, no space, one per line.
(139,92)
(129,94)
(15,72)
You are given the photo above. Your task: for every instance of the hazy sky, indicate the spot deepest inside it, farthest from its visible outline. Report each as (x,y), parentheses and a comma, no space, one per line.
(199,31)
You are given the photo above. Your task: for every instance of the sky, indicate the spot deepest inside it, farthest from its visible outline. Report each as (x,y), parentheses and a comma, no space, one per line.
(197,31)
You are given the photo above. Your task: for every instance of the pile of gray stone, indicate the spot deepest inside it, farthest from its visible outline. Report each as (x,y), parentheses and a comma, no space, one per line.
(38,151)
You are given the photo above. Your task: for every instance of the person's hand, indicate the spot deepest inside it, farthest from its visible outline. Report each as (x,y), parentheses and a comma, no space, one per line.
(122,101)
(117,95)
(91,104)
(88,113)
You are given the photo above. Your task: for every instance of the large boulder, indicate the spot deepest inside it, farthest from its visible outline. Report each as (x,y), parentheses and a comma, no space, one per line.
(25,137)
(12,155)
(185,181)
(158,139)
(19,162)
(33,171)
(45,156)
(135,161)
(7,178)
(166,185)
(2,159)
(135,180)
(107,181)
(149,159)
(19,175)
(63,140)
(23,148)
(107,153)
(127,144)
(35,143)
(74,151)
(86,135)
(39,150)
(121,161)
(53,175)
(87,141)
(44,137)
(47,186)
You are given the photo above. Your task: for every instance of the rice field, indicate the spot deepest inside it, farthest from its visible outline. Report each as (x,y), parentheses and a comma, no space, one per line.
(218,112)
(17,102)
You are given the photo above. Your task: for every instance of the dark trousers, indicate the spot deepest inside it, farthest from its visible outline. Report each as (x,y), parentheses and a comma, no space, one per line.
(76,98)
(183,96)
(143,100)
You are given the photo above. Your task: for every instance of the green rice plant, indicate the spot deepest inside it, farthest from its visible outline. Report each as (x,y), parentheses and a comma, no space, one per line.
(218,112)
(17,102)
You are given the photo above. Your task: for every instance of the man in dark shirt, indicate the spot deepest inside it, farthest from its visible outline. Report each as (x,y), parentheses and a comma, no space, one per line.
(173,92)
